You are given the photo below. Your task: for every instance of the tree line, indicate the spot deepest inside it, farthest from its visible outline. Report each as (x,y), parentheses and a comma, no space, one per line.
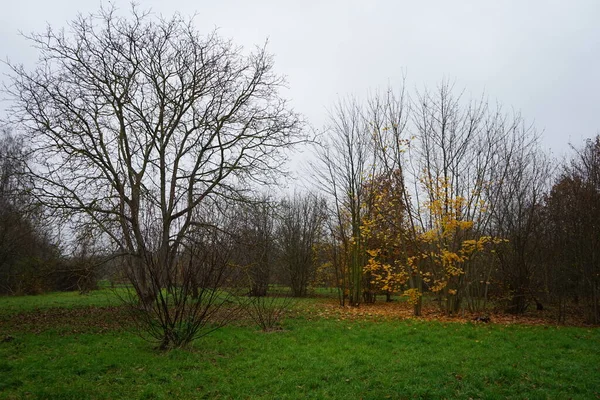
(434,194)
(140,150)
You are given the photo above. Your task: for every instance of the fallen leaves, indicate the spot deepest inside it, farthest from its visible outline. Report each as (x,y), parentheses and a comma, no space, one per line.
(331,309)
(66,320)
(92,319)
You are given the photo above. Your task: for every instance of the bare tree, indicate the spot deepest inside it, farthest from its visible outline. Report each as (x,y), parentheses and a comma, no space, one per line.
(517,217)
(255,243)
(300,228)
(133,123)
(343,166)
(27,255)
(13,227)
(572,219)
(267,312)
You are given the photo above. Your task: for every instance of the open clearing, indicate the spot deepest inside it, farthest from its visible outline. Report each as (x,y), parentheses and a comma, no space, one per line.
(67,346)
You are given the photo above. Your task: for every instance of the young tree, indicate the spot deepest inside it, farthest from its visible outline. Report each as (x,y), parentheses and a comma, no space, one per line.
(468,156)
(387,235)
(448,249)
(134,123)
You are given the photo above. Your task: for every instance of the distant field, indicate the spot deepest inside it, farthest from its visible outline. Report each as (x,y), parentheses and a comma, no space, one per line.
(67,346)
(97,298)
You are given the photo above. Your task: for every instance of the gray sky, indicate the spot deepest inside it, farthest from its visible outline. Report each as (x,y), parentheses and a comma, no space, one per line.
(539,57)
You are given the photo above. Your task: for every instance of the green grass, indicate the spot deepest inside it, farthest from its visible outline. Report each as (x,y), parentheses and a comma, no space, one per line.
(98,298)
(312,358)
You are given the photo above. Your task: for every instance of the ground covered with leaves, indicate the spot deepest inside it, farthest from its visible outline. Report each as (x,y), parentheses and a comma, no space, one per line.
(399,310)
(76,347)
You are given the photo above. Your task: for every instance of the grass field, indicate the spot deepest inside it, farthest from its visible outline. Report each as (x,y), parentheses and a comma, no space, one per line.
(67,346)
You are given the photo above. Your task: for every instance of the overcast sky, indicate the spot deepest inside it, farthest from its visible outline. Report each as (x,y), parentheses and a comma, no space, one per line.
(539,57)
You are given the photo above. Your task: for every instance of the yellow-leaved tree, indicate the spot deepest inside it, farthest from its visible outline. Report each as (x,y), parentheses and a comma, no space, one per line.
(449,247)
(385,234)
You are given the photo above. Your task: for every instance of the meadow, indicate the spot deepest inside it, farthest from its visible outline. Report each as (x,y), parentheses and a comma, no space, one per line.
(71,346)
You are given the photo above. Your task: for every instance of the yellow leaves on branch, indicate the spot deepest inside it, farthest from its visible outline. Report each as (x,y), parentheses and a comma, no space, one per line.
(413,295)
(429,236)
(437,256)
(451,262)
(438,285)
(469,247)
(451,240)
(373,253)
(383,229)
(384,276)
